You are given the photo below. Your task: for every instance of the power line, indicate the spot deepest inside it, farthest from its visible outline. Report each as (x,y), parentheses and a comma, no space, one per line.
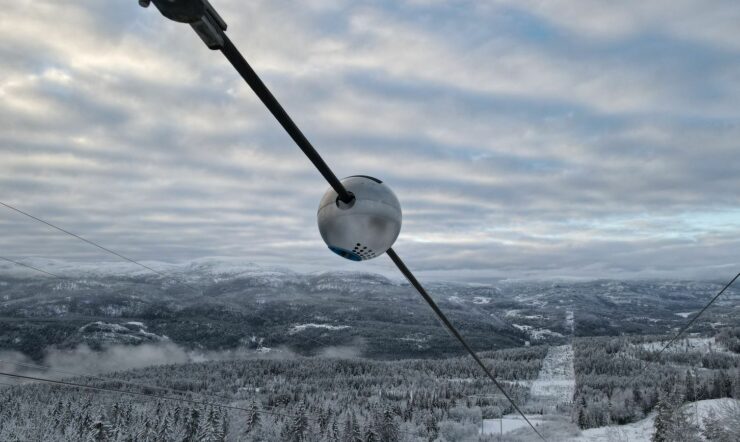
(108,379)
(94,244)
(28,266)
(390,252)
(150,386)
(135,393)
(211,28)
(320,342)
(134,384)
(167,398)
(57,276)
(686,327)
(253,80)
(691,322)
(415,283)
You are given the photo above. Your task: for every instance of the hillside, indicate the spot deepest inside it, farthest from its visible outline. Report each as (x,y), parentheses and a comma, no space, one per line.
(331,399)
(233,305)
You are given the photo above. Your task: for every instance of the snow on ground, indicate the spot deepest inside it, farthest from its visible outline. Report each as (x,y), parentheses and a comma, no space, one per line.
(556,381)
(510,422)
(537,334)
(641,431)
(554,385)
(130,332)
(688,344)
(104,326)
(302,327)
(570,321)
(685,314)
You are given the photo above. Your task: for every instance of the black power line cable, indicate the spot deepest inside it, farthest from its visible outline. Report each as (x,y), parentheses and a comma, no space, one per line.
(415,283)
(260,410)
(683,329)
(108,379)
(691,322)
(396,259)
(135,393)
(210,27)
(94,244)
(130,383)
(253,80)
(28,266)
(320,342)
(246,71)
(263,409)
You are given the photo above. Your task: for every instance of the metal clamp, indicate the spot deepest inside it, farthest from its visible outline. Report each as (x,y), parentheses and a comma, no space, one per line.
(199,14)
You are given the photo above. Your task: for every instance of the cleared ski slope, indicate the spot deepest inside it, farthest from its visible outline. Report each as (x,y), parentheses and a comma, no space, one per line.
(556,381)
(554,386)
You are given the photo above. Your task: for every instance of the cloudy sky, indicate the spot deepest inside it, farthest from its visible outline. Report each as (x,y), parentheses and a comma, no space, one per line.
(524,138)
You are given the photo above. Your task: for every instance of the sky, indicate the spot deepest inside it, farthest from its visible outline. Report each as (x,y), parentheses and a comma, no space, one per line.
(525,139)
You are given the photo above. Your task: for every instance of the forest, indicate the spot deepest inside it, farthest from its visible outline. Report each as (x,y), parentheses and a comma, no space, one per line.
(618,380)
(305,399)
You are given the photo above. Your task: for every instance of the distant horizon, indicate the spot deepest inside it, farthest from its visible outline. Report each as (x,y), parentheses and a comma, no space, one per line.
(237,265)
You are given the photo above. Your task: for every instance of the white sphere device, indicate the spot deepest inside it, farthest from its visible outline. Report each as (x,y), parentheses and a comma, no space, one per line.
(364,228)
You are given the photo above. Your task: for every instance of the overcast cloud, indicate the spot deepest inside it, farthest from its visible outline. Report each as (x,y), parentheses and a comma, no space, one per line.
(525,139)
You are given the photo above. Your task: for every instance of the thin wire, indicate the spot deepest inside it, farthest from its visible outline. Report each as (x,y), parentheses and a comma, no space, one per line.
(78,374)
(30,267)
(415,283)
(108,379)
(134,393)
(135,384)
(644,369)
(92,243)
(691,322)
(253,80)
(250,76)
(167,398)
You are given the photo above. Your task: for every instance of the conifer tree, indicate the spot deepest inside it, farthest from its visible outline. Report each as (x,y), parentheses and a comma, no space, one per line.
(253,418)
(145,432)
(191,428)
(356,431)
(690,387)
(371,435)
(391,431)
(333,435)
(299,426)
(662,421)
(165,428)
(100,431)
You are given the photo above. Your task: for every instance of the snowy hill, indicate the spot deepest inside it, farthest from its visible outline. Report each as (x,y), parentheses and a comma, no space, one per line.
(223,303)
(642,431)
